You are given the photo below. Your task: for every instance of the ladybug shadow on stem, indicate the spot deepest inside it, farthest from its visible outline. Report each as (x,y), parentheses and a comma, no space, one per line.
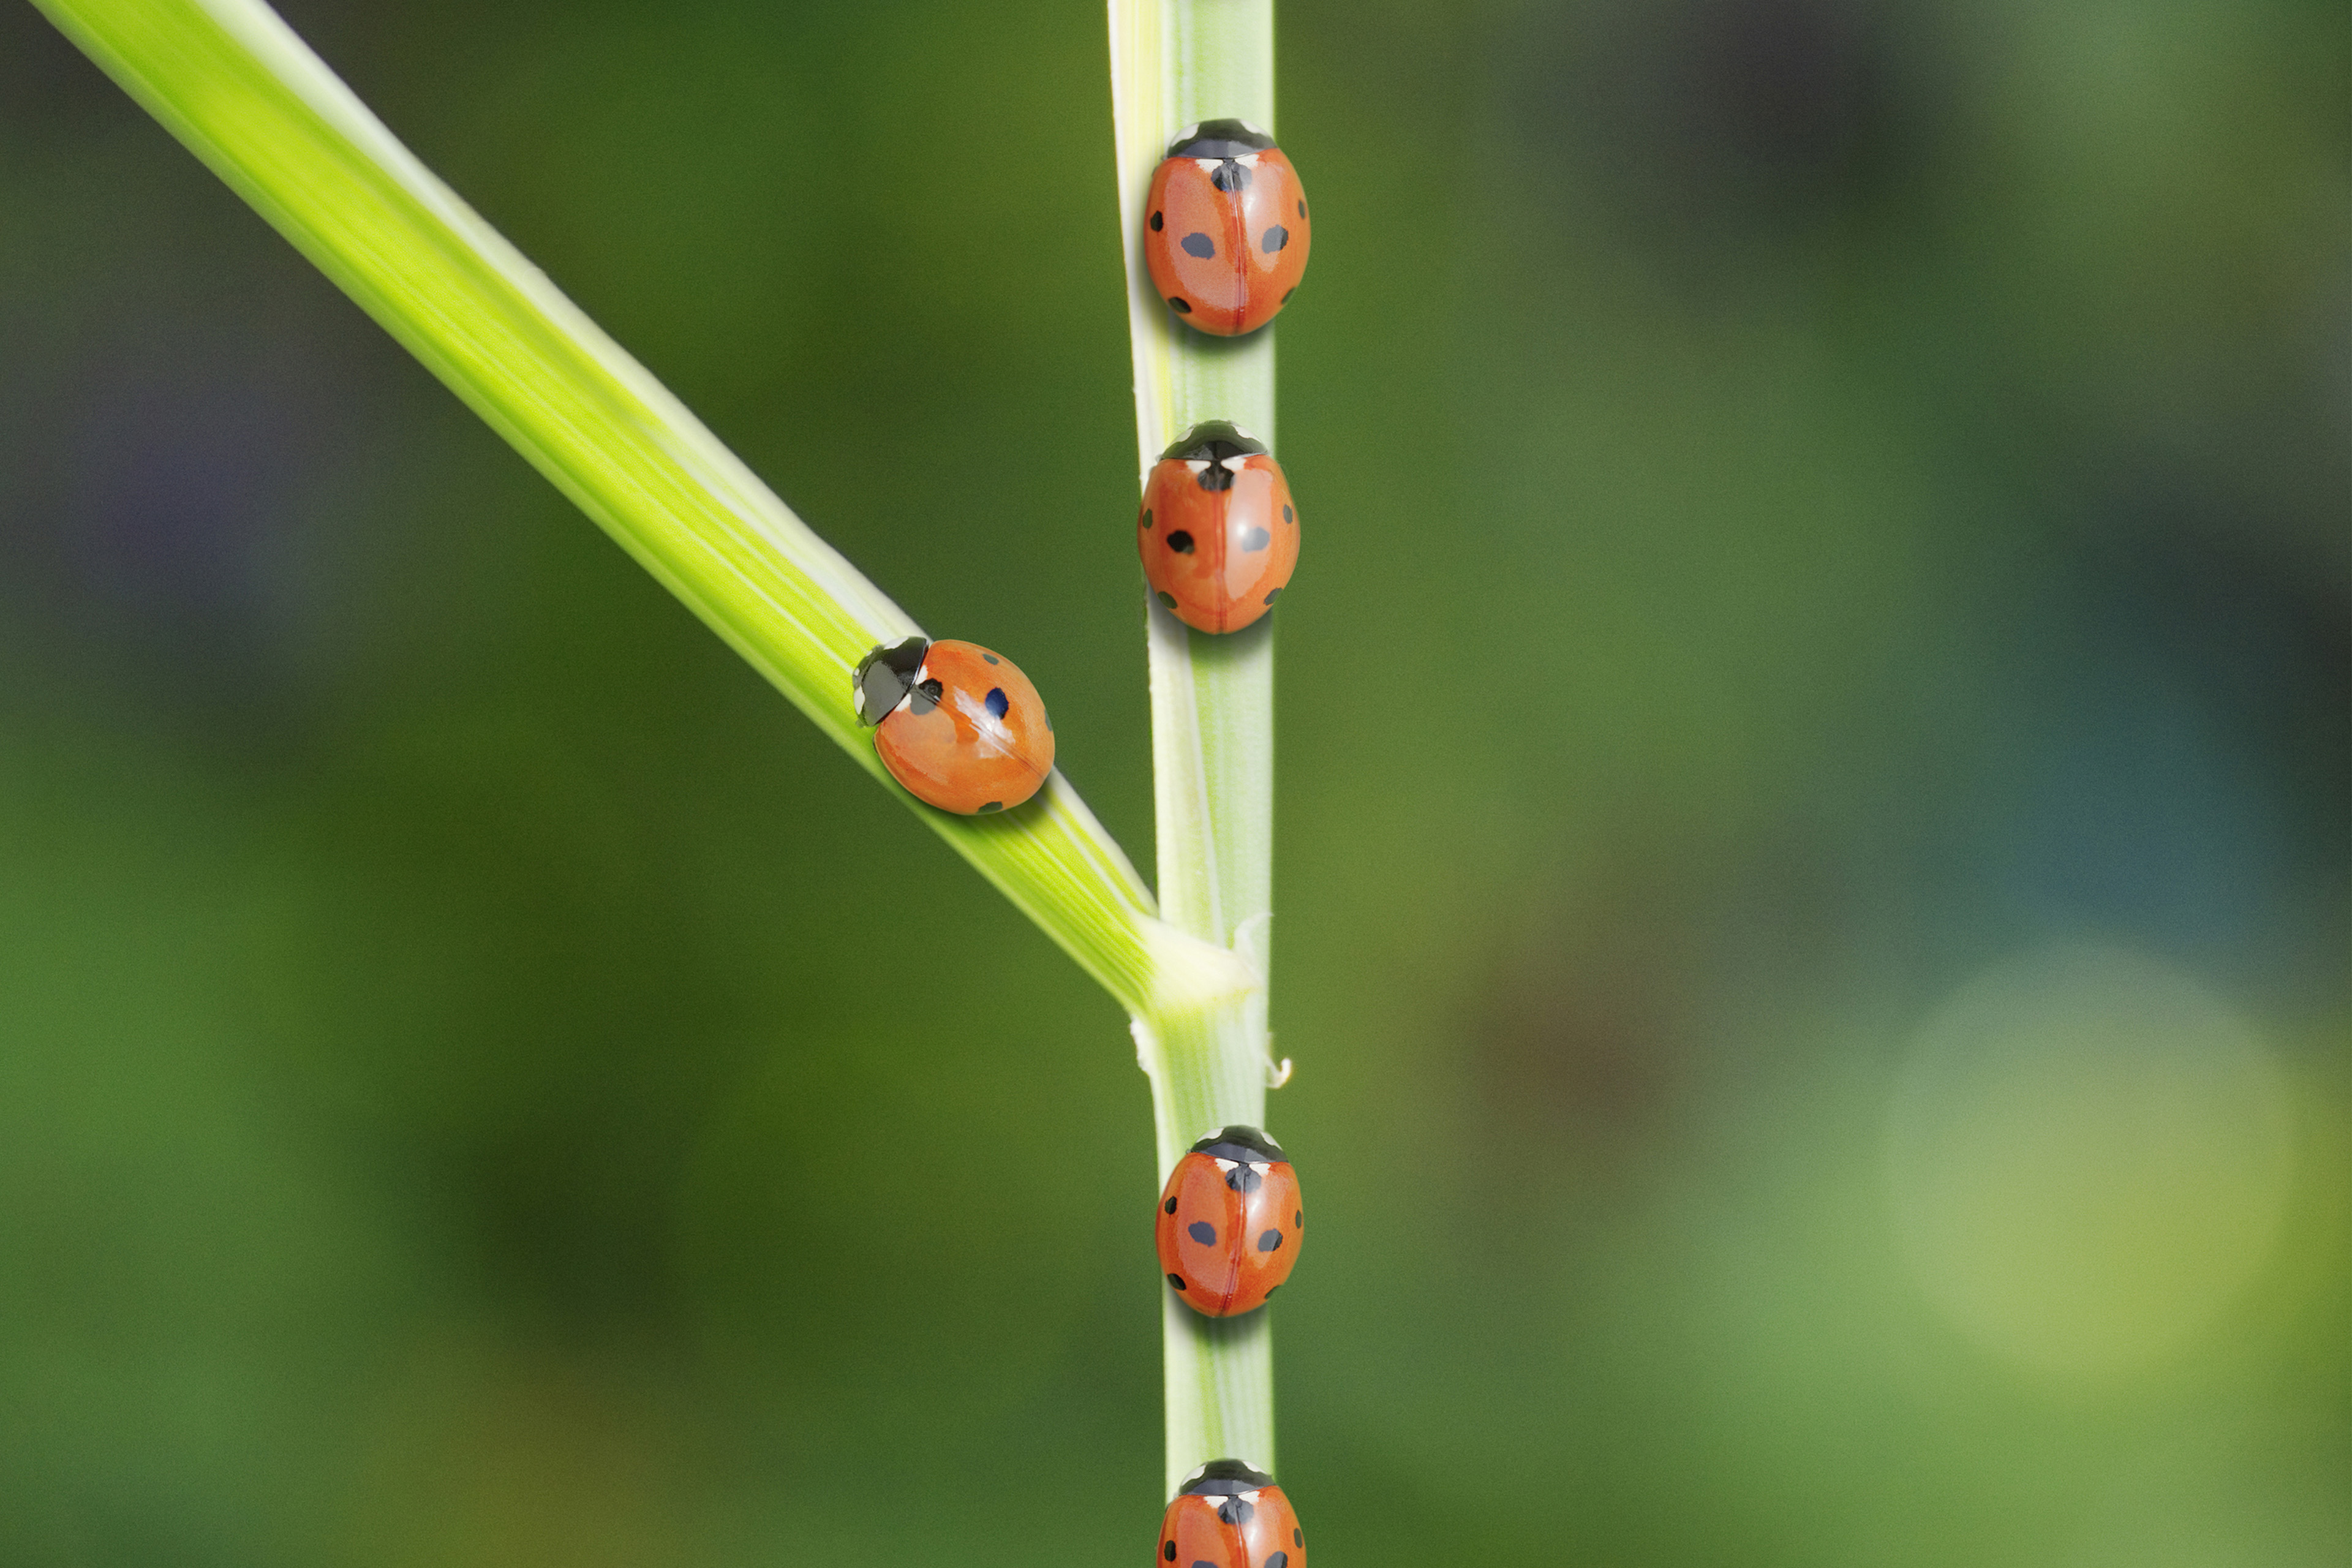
(1214,648)
(999,823)
(1210,346)
(1218,1333)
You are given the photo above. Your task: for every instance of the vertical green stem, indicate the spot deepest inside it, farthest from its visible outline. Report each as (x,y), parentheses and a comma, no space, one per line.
(1174,62)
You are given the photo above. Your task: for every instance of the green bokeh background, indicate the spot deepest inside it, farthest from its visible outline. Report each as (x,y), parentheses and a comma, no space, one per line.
(1813,507)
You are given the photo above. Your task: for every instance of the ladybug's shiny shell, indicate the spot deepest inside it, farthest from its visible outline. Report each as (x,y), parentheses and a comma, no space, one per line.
(1225,231)
(1227,1515)
(958,725)
(1218,533)
(1230,1222)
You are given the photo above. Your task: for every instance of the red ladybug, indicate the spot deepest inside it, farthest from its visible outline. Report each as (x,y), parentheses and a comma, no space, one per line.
(1226,231)
(1227,1515)
(1230,1222)
(1218,533)
(958,725)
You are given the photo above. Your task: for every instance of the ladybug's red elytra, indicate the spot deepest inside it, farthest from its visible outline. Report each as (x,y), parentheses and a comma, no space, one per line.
(1218,531)
(1227,1515)
(959,726)
(1225,231)
(1230,1222)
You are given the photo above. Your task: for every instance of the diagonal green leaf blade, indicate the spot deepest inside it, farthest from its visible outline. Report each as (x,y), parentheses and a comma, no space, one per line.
(249,98)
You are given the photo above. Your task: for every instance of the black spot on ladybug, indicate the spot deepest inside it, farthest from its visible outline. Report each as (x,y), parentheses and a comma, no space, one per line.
(1169,1552)
(1298,1536)
(1299,1220)
(1181,542)
(1255,539)
(1287,293)
(1177,1280)
(1235,1510)
(1270,598)
(1201,1231)
(1200,245)
(1279,1560)
(1169,1205)
(994,660)
(1276,238)
(997,702)
(1147,517)
(992,805)
(1302,209)
(1272,1288)
(1229,176)
(1158,220)
(1182,308)
(1269,1240)
(1288,516)
(1167,600)
(1244,1178)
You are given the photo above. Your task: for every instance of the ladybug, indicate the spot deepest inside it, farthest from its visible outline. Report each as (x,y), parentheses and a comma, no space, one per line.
(958,725)
(1218,533)
(1226,234)
(1230,1222)
(1227,1515)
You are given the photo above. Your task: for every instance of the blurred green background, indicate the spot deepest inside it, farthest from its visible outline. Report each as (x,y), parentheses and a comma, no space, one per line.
(1812,834)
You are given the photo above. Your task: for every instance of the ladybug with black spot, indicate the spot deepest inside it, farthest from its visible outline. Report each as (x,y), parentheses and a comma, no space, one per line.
(1230,1222)
(1218,533)
(1227,1515)
(1225,231)
(958,725)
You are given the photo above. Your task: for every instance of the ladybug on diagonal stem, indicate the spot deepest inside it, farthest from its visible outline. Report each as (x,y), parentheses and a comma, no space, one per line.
(958,725)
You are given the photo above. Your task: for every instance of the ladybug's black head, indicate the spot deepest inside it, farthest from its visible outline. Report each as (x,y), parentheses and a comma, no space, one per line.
(1219,139)
(1217,448)
(1224,1477)
(885,676)
(1215,439)
(1244,1143)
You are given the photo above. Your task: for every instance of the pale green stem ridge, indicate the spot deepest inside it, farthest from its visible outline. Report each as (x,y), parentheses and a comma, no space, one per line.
(1174,62)
(234,83)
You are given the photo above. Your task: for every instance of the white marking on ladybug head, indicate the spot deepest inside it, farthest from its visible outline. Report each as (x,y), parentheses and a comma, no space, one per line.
(1189,131)
(1251,126)
(1197,465)
(1208,166)
(1226,1165)
(1234,465)
(1247,159)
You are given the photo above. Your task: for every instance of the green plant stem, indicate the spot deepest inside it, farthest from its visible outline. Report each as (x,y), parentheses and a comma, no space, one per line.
(1174,62)
(234,83)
